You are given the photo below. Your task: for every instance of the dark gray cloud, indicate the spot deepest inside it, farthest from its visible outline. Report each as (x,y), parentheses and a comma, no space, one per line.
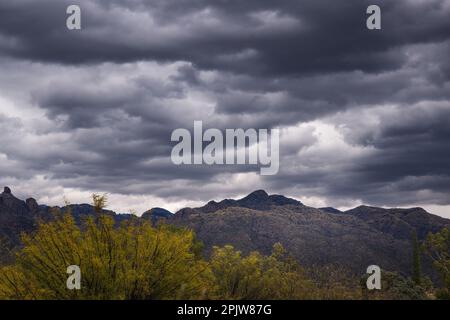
(254,37)
(364,114)
(384,156)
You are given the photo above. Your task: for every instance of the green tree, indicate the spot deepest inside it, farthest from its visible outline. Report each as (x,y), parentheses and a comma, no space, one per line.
(259,277)
(416,265)
(437,247)
(99,202)
(394,287)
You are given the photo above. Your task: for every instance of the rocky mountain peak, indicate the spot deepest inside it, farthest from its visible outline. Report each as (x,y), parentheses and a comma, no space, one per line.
(257,195)
(257,200)
(261,200)
(32,204)
(157,212)
(331,210)
(7,199)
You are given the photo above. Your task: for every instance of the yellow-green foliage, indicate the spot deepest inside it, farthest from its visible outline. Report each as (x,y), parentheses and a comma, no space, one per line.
(99,202)
(132,261)
(259,277)
(137,261)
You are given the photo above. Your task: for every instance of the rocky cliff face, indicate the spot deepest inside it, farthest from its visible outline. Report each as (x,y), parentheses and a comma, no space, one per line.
(16,216)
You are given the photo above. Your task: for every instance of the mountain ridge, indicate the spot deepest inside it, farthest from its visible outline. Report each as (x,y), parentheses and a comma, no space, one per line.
(354,239)
(258,199)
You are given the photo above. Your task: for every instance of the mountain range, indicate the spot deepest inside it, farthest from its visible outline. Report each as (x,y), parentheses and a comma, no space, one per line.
(352,239)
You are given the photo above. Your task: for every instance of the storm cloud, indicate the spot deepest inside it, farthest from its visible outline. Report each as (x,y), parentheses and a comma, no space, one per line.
(364,115)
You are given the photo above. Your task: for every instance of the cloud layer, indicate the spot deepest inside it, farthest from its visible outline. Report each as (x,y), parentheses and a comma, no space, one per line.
(364,115)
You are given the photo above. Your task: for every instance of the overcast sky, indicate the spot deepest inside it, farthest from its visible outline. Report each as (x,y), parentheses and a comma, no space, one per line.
(364,115)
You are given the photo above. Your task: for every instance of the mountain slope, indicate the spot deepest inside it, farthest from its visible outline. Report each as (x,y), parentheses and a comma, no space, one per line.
(400,222)
(310,235)
(354,239)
